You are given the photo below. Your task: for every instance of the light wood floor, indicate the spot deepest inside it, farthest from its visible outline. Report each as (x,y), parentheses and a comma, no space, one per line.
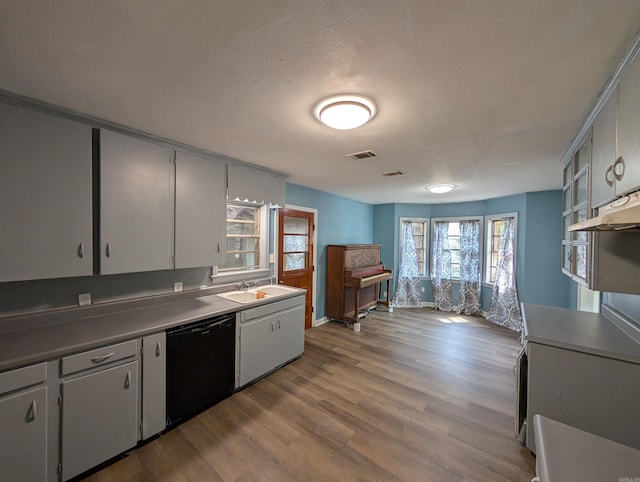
(416,395)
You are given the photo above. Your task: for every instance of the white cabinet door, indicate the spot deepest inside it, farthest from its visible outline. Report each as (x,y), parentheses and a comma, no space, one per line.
(23,442)
(136,221)
(45,191)
(603,153)
(99,417)
(289,334)
(200,211)
(268,342)
(628,174)
(257,349)
(154,384)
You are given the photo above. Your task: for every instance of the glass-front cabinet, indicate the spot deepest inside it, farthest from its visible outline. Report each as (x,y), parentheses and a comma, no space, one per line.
(576,208)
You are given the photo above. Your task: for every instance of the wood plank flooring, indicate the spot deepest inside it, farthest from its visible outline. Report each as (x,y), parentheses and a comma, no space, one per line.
(416,395)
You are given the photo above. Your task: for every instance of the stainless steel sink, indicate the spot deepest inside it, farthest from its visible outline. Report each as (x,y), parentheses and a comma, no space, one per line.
(271,291)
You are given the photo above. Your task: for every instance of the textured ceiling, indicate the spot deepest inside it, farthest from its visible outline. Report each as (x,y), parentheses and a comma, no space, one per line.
(484,94)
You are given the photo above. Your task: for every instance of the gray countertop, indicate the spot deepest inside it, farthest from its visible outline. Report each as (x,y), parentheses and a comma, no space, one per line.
(28,339)
(566,454)
(590,333)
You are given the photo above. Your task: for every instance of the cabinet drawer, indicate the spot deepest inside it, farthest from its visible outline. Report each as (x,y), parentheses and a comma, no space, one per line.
(270,308)
(98,357)
(22,377)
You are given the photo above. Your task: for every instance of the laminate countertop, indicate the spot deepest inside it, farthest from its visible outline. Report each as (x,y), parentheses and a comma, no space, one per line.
(590,333)
(33,338)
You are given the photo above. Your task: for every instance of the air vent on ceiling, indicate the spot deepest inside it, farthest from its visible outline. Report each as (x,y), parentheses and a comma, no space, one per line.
(361,155)
(394,173)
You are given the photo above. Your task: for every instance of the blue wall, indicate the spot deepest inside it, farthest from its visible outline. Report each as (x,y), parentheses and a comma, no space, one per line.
(340,221)
(538,275)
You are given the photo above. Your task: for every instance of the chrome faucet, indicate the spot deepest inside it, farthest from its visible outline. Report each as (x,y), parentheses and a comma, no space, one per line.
(243,285)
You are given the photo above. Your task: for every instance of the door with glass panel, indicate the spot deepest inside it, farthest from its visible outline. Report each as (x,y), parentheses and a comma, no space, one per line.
(295,254)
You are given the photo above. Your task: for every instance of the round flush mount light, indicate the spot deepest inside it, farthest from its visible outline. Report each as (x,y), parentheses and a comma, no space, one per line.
(440,188)
(345,112)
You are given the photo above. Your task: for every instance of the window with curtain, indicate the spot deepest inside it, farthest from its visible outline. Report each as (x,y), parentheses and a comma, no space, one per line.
(504,309)
(494,228)
(469,242)
(412,239)
(441,267)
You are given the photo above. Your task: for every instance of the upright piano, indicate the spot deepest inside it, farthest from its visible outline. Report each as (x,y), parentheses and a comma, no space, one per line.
(354,274)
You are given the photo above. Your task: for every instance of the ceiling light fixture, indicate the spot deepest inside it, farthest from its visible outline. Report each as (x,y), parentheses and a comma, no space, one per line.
(440,188)
(345,112)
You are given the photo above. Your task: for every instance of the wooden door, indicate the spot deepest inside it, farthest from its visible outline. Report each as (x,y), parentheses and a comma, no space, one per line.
(295,254)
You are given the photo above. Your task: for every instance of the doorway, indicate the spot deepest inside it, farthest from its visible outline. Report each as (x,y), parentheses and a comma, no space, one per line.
(296,229)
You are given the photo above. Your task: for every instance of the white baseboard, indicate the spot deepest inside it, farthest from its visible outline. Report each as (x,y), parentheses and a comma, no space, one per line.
(321,321)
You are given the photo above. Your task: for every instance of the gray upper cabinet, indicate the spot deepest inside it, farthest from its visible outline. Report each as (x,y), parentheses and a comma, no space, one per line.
(200,211)
(136,201)
(45,190)
(604,153)
(627,167)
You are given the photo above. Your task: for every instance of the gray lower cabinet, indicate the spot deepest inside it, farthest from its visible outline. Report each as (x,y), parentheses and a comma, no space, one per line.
(45,191)
(23,443)
(136,205)
(154,383)
(99,417)
(201,190)
(593,393)
(269,341)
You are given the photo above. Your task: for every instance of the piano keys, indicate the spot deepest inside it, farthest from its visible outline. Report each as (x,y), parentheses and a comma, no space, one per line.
(354,274)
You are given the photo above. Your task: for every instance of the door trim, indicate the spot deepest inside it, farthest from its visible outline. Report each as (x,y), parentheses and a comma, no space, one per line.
(314,321)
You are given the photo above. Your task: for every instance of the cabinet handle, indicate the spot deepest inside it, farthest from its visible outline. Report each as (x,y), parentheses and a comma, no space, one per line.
(619,162)
(158,349)
(81,250)
(570,255)
(100,359)
(278,324)
(127,381)
(32,412)
(107,250)
(218,248)
(609,179)
(272,327)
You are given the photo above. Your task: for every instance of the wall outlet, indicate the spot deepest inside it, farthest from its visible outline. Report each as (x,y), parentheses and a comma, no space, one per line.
(272,258)
(422,289)
(177,287)
(384,294)
(84,299)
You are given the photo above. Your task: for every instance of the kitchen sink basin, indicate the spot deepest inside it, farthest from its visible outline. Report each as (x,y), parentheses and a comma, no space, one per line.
(270,291)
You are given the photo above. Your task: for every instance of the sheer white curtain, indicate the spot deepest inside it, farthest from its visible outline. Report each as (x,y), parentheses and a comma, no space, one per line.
(441,267)
(469,303)
(408,291)
(504,309)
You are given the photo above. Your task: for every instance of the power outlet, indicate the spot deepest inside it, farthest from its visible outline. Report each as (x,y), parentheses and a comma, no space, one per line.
(272,258)
(422,289)
(384,294)
(177,287)
(84,299)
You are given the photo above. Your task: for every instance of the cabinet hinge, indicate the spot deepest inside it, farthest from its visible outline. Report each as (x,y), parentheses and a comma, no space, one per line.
(60,469)
(141,431)
(60,400)
(313,309)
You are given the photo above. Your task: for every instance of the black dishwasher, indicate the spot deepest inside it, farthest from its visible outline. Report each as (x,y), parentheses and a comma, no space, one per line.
(200,365)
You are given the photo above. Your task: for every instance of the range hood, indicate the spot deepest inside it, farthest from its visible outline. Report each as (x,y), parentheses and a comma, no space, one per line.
(621,214)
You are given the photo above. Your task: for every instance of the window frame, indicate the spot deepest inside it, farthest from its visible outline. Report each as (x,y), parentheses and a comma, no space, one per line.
(457,219)
(263,254)
(426,262)
(488,251)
